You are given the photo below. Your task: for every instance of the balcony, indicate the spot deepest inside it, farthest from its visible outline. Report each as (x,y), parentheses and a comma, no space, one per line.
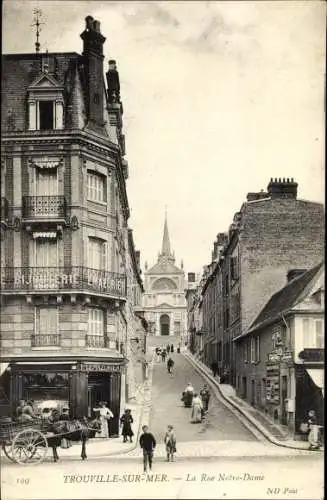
(44,208)
(96,341)
(62,280)
(45,340)
(4,209)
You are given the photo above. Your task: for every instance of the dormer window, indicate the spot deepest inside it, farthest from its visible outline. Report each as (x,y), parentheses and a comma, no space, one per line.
(45,104)
(46,115)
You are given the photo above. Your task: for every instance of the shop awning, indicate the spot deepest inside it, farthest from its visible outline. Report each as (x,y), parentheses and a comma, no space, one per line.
(48,234)
(3,367)
(317,376)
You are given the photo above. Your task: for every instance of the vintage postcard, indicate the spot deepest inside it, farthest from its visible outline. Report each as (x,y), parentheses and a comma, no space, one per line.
(162,250)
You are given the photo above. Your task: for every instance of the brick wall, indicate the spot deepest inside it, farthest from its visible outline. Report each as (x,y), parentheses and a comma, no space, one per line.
(278,235)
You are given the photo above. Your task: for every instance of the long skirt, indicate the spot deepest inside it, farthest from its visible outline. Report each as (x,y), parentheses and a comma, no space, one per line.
(313,436)
(196,416)
(104,428)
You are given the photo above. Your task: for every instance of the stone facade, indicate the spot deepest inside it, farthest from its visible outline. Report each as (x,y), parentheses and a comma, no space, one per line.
(64,225)
(164,298)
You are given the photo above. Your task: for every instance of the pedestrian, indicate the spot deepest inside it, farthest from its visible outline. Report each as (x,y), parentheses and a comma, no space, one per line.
(197,407)
(205,398)
(27,412)
(313,436)
(168,349)
(19,408)
(105,415)
(170,442)
(163,356)
(126,421)
(214,368)
(170,364)
(172,348)
(148,444)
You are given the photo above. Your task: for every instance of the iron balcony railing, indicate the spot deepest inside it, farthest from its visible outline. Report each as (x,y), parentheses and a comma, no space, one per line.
(63,279)
(40,207)
(4,208)
(45,340)
(96,341)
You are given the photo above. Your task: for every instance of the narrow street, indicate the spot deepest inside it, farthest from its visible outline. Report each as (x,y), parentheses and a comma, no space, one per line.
(167,407)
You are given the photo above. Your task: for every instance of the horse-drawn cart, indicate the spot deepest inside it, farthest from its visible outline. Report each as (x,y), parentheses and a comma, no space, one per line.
(28,442)
(24,443)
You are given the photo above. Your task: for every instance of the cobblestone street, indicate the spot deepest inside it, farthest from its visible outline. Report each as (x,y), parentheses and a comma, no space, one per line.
(167,408)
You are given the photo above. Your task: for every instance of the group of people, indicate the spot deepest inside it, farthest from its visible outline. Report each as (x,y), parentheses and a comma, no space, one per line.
(148,444)
(199,402)
(164,351)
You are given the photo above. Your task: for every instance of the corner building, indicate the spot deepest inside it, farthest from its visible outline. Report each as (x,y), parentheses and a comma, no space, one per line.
(64,213)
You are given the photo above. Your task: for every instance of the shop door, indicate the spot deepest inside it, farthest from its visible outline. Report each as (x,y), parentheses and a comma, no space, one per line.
(98,391)
(114,403)
(284,398)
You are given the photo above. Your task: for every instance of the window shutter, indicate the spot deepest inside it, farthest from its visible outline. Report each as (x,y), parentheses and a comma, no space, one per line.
(306,333)
(319,334)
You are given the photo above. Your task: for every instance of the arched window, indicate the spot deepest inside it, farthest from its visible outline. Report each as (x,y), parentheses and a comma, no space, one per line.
(164,284)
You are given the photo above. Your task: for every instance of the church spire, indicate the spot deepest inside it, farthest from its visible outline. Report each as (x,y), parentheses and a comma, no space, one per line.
(165,240)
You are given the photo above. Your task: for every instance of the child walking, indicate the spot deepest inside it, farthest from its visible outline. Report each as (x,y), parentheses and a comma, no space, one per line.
(170,442)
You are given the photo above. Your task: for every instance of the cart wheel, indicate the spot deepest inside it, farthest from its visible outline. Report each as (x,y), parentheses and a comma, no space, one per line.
(29,447)
(7,449)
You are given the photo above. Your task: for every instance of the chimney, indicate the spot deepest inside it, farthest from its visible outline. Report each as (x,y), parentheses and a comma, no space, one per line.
(191,277)
(222,238)
(282,188)
(93,42)
(294,273)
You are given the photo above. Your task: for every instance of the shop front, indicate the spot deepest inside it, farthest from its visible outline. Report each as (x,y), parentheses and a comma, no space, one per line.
(309,376)
(79,385)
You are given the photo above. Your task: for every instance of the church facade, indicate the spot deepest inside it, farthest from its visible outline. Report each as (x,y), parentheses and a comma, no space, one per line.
(164,298)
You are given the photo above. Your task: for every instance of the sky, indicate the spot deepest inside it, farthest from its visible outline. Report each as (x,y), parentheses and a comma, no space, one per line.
(218,98)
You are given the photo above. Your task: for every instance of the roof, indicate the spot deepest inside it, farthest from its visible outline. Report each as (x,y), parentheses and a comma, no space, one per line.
(284,299)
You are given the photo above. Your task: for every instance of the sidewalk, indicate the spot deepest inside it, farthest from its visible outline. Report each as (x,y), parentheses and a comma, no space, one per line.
(259,423)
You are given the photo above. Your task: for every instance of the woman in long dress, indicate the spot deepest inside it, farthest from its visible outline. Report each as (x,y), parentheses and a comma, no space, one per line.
(104,414)
(197,408)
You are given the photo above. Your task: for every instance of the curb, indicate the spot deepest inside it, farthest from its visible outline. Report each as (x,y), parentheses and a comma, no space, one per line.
(259,427)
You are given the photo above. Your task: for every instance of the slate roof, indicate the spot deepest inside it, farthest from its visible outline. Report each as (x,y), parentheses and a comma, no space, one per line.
(285,298)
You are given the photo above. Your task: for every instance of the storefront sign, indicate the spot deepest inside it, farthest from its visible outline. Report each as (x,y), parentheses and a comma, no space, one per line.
(55,278)
(312,355)
(99,367)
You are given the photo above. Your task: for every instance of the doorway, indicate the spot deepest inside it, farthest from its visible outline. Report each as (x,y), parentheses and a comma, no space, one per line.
(284,400)
(98,391)
(164,324)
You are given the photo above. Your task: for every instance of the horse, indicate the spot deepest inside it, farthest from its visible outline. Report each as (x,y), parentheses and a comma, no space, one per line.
(72,430)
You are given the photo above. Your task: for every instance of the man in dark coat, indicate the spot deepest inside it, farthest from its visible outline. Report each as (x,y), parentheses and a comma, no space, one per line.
(148,444)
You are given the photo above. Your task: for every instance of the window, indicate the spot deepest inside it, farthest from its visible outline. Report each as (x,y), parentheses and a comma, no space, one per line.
(319,334)
(46,252)
(96,187)
(96,322)
(46,183)
(46,115)
(255,349)
(234,268)
(46,321)
(97,254)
